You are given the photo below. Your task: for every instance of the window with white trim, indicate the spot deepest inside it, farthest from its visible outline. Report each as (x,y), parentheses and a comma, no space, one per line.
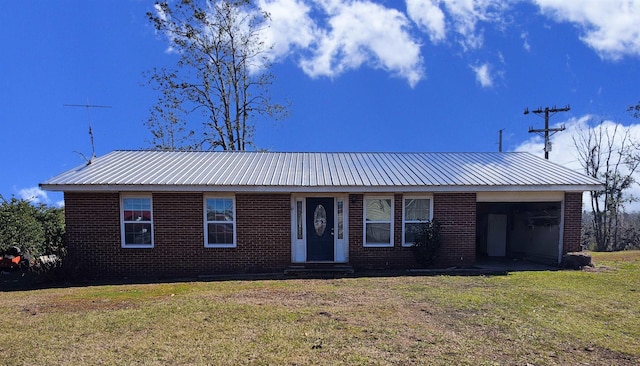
(299,215)
(340,205)
(136,220)
(415,211)
(378,221)
(219,222)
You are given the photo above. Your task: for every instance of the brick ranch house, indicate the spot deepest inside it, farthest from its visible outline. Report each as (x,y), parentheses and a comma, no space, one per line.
(166,214)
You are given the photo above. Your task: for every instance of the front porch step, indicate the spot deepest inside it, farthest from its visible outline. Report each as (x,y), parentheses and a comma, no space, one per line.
(319,269)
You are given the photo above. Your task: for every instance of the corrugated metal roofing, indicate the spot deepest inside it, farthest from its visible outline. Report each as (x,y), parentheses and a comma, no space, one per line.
(299,171)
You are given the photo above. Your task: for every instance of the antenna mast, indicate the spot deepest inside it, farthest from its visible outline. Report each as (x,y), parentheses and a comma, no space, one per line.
(545,132)
(88,106)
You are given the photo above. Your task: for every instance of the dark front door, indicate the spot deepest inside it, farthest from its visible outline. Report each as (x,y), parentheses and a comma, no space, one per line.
(320,229)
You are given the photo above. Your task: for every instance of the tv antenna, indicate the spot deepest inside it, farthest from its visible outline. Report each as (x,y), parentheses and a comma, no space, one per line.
(88,107)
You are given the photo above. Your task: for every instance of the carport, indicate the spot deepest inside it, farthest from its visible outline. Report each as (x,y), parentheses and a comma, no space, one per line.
(525,227)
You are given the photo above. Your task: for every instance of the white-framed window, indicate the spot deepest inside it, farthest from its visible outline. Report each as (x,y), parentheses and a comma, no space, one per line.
(378,221)
(415,211)
(340,214)
(299,219)
(136,221)
(219,222)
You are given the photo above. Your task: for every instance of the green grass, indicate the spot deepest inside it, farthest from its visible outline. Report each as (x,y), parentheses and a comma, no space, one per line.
(541,318)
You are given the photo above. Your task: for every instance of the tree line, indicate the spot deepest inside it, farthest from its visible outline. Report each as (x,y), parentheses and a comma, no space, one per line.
(610,154)
(36,229)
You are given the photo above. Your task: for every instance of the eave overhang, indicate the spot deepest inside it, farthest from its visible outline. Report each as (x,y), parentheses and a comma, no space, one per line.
(298,189)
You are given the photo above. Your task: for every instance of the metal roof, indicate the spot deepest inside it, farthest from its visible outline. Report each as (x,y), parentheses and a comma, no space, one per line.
(308,172)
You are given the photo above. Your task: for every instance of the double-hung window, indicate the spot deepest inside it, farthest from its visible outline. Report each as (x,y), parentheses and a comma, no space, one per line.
(415,212)
(378,222)
(219,222)
(136,222)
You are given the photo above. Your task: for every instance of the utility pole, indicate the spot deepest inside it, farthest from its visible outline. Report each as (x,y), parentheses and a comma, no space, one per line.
(500,139)
(545,132)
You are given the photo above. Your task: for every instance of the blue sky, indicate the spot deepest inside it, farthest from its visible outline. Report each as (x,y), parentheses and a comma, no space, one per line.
(420,75)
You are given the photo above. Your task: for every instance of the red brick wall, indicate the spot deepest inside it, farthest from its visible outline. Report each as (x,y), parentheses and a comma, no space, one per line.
(361,257)
(93,236)
(263,227)
(92,224)
(456,213)
(572,222)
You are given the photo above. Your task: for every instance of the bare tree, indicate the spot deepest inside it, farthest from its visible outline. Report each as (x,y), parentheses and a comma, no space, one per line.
(220,85)
(608,153)
(634,109)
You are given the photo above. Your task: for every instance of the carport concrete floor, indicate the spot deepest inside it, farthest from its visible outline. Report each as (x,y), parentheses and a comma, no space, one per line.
(512,265)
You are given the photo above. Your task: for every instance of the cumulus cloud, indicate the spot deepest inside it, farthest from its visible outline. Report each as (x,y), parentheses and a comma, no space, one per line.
(291,26)
(364,33)
(483,75)
(429,17)
(609,27)
(564,152)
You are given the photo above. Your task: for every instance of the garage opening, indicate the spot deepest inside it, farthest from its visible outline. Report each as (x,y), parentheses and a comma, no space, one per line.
(519,230)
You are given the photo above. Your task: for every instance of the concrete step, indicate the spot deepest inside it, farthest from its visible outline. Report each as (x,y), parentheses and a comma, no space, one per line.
(319,268)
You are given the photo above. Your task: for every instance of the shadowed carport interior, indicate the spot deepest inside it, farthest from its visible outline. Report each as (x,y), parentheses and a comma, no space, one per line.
(519,230)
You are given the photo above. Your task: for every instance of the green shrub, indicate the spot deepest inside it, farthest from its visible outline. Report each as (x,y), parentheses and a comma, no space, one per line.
(428,240)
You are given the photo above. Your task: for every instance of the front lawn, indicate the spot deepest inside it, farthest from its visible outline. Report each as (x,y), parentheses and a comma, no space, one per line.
(540,318)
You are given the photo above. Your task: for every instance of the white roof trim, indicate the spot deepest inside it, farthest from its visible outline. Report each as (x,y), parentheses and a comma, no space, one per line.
(288,189)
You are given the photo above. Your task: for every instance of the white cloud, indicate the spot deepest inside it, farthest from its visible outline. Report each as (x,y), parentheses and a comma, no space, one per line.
(525,41)
(483,75)
(290,26)
(564,152)
(364,33)
(428,16)
(36,195)
(466,14)
(610,27)
(330,37)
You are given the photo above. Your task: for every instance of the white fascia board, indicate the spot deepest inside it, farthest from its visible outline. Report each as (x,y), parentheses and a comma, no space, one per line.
(301,189)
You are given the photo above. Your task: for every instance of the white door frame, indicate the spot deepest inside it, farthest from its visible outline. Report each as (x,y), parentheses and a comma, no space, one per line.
(299,230)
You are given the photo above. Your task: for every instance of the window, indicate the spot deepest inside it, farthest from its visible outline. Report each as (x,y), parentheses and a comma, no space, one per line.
(299,232)
(416,210)
(136,222)
(378,223)
(340,204)
(219,222)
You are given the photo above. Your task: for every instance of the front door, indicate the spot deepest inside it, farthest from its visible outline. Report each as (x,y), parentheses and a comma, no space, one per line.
(320,229)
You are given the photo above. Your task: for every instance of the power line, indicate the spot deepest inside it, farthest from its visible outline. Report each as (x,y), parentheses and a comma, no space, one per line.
(547,132)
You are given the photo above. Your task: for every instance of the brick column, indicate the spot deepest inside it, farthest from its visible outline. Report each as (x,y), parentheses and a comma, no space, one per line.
(572,222)
(456,213)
